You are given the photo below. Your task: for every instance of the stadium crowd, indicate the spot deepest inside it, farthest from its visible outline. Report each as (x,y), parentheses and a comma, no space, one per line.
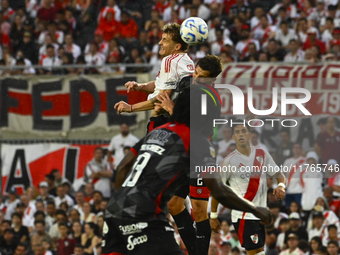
(64,218)
(94,32)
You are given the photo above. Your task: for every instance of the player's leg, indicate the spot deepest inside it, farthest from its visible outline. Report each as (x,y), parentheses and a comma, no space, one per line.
(183,219)
(199,195)
(252,236)
(113,242)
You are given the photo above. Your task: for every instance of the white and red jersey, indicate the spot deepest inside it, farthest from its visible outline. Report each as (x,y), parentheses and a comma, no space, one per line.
(8,14)
(317,232)
(28,214)
(173,68)
(297,251)
(255,22)
(298,57)
(237,168)
(311,182)
(42,52)
(291,10)
(59,35)
(295,166)
(279,218)
(103,48)
(96,59)
(74,49)
(105,10)
(242,47)
(103,184)
(263,34)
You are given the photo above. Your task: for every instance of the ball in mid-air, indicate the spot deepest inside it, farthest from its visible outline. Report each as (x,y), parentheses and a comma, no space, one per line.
(194,31)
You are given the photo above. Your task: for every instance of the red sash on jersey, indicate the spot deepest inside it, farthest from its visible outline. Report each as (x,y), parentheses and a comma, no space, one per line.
(96,179)
(294,168)
(245,49)
(253,186)
(266,34)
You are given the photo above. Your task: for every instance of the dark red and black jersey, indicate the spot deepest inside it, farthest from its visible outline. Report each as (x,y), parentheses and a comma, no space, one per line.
(161,168)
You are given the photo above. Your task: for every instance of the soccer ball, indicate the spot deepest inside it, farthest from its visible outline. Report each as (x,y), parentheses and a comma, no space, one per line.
(194,31)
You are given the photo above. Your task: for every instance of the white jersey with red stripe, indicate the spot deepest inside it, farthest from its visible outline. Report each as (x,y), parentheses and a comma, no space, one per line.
(240,180)
(311,182)
(173,68)
(294,174)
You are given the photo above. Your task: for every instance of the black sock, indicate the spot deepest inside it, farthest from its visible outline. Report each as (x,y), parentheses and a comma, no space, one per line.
(185,225)
(203,234)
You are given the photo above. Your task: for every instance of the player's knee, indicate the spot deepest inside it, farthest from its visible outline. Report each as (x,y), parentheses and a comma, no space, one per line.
(176,205)
(199,210)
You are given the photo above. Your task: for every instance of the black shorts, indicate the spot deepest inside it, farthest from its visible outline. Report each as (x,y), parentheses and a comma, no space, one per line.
(196,188)
(122,237)
(156,122)
(251,234)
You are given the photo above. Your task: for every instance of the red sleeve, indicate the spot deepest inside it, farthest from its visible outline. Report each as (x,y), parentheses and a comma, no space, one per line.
(322,47)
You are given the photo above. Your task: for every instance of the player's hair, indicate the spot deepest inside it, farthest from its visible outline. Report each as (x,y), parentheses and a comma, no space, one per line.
(331,226)
(173,29)
(239,120)
(187,109)
(212,64)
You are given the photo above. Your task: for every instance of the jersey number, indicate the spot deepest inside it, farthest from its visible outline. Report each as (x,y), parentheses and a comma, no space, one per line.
(138,168)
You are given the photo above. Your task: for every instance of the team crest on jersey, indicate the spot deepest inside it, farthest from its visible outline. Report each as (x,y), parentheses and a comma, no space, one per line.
(199,191)
(212,152)
(254,238)
(260,159)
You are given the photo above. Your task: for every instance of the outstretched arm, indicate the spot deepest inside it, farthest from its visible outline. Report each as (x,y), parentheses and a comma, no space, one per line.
(124,168)
(226,196)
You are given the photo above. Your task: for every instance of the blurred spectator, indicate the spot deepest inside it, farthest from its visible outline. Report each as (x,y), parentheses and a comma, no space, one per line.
(173,6)
(68,59)
(96,203)
(94,57)
(111,5)
(277,215)
(88,216)
(241,9)
(285,34)
(11,203)
(311,183)
(296,228)
(294,189)
(70,19)
(50,61)
(128,27)
(155,19)
(252,55)
(333,247)
(65,245)
(57,36)
(7,11)
(291,9)
(236,30)
(118,142)
(302,28)
(315,245)
(256,19)
(285,147)
(77,231)
(89,189)
(20,249)
(274,52)
(293,241)
(99,40)
(74,216)
(328,142)
(16,34)
(40,233)
(70,47)
(63,197)
(43,48)
(60,216)
(52,190)
(47,11)
(80,199)
(89,240)
(8,243)
(217,45)
(39,249)
(155,33)
(5,26)
(29,48)
(295,55)
(313,41)
(264,31)
(109,26)
(319,228)
(20,232)
(78,250)
(331,235)
(245,39)
(161,6)
(284,227)
(99,173)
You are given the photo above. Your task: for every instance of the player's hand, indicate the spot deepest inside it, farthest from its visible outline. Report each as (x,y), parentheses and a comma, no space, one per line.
(165,102)
(279,193)
(122,107)
(132,85)
(215,225)
(264,214)
(159,109)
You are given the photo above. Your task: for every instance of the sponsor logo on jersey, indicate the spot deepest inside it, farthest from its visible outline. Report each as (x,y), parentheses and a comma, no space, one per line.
(199,191)
(254,238)
(133,228)
(132,242)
